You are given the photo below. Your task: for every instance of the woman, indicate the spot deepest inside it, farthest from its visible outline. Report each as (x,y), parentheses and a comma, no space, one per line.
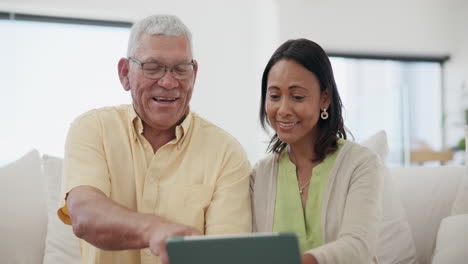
(315,182)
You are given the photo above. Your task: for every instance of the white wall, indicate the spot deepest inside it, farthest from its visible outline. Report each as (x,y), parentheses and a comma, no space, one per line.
(399,26)
(234,39)
(456,81)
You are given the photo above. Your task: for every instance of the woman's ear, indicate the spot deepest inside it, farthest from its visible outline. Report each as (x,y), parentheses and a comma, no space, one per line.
(123,69)
(325,99)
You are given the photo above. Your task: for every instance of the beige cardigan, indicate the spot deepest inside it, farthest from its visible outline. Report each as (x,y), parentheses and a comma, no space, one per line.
(351,210)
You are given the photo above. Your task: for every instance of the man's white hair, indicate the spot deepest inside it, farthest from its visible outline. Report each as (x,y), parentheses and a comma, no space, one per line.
(166,25)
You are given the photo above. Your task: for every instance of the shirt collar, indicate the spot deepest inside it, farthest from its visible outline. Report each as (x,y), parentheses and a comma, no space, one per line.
(183,128)
(180,131)
(135,121)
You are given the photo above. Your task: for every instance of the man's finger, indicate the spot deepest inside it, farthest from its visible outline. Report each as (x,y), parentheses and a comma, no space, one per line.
(164,257)
(195,232)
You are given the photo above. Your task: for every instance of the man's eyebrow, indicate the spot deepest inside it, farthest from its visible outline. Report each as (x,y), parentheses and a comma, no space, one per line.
(156,60)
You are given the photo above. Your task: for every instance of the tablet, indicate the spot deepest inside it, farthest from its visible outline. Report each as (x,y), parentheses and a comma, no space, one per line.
(256,248)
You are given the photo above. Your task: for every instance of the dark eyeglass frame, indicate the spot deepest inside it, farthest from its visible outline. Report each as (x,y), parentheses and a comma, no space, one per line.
(176,74)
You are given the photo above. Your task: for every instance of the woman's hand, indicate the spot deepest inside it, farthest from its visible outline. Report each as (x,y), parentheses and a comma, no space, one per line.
(308,259)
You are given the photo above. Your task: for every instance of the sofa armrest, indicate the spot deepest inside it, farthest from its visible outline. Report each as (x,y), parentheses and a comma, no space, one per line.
(452,241)
(427,195)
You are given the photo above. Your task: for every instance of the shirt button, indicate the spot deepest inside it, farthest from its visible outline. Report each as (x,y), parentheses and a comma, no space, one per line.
(147,252)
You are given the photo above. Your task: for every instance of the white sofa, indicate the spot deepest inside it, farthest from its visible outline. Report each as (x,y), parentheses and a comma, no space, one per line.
(31,233)
(427,195)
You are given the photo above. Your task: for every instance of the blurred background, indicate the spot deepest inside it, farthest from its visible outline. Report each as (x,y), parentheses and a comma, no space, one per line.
(400,66)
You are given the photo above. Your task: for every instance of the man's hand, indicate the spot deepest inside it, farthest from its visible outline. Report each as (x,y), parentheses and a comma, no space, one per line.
(163,231)
(308,259)
(110,226)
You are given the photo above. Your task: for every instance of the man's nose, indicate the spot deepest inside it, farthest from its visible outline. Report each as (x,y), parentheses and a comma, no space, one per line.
(167,80)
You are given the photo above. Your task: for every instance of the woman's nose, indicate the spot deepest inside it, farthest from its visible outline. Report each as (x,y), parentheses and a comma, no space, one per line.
(284,108)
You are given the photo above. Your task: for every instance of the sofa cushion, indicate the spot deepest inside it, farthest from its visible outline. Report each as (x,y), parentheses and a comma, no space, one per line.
(427,194)
(395,243)
(460,206)
(378,143)
(24,217)
(452,240)
(61,244)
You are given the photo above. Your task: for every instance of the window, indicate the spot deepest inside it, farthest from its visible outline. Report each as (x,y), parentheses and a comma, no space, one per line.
(404,98)
(51,73)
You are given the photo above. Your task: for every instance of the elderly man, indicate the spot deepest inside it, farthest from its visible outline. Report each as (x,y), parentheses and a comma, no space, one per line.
(138,174)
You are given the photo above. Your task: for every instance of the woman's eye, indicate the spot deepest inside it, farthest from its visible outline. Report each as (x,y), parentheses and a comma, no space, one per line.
(274,96)
(298,97)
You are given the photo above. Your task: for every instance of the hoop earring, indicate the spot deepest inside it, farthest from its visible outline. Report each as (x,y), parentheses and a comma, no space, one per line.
(324,114)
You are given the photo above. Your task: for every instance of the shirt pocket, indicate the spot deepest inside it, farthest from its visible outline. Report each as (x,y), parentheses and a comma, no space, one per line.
(188,204)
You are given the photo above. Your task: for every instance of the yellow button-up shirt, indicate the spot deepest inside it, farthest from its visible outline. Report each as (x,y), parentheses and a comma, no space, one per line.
(200,178)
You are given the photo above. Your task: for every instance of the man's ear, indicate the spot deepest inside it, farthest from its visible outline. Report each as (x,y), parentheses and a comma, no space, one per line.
(123,68)
(195,70)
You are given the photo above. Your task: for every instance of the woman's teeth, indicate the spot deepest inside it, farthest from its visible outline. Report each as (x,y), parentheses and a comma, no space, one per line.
(287,124)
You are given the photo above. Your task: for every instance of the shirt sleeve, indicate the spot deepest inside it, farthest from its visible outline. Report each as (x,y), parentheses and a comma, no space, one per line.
(357,236)
(230,209)
(84,161)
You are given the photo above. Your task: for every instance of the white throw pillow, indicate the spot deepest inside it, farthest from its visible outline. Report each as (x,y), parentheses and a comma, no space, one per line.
(460,206)
(61,244)
(379,144)
(452,241)
(24,218)
(395,243)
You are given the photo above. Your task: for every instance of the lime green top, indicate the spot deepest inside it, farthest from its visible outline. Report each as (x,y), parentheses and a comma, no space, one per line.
(289,214)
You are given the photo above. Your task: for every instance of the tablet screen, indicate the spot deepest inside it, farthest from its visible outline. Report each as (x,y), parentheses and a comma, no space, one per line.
(256,248)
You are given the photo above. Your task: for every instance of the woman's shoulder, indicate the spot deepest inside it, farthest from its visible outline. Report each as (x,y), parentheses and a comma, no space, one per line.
(267,161)
(355,161)
(356,152)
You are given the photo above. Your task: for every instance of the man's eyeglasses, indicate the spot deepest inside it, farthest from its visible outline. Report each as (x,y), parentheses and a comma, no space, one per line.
(155,71)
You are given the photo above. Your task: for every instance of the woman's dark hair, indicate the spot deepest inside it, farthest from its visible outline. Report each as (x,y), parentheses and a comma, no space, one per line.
(312,57)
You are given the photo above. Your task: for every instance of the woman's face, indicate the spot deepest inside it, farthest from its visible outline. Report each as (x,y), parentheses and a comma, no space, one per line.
(293,102)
